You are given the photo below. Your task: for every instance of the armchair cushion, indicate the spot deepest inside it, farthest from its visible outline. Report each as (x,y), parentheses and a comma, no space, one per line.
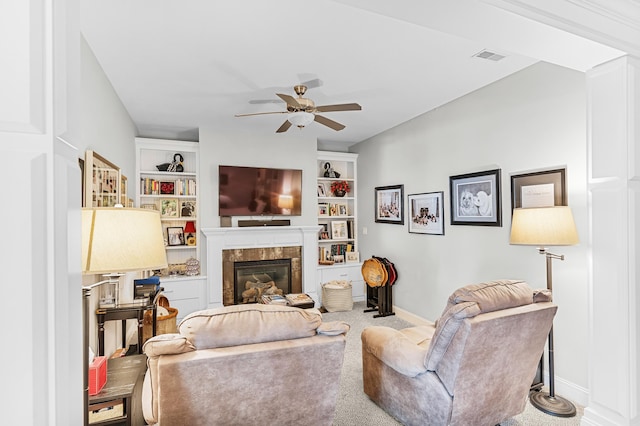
(247,324)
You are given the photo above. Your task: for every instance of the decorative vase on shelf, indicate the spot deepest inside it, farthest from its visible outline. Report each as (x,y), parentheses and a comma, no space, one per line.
(339,193)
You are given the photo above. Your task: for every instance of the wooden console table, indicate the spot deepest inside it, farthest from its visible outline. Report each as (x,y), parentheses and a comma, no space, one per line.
(124,312)
(124,386)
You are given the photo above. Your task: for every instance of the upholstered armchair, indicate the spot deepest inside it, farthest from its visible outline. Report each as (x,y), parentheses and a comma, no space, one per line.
(248,364)
(474,366)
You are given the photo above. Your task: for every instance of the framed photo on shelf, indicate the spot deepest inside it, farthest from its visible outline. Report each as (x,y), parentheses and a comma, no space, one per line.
(544,188)
(475,198)
(390,204)
(323,209)
(321,190)
(342,210)
(167,188)
(175,236)
(352,257)
(426,213)
(169,207)
(188,208)
(339,229)
(338,258)
(149,206)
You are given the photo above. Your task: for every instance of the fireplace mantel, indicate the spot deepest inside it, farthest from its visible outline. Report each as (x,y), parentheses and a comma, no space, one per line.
(219,239)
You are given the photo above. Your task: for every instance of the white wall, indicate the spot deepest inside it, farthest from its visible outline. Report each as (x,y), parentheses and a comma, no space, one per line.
(107,129)
(534,119)
(290,150)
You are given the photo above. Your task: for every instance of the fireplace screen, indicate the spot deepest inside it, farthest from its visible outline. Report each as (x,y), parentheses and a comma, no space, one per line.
(253,279)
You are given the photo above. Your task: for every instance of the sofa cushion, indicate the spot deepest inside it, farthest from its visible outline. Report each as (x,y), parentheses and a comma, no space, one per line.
(248,324)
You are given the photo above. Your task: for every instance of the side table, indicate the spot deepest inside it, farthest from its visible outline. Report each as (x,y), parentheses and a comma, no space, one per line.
(124,386)
(124,312)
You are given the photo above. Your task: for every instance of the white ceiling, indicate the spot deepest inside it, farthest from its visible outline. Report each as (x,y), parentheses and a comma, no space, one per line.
(180,65)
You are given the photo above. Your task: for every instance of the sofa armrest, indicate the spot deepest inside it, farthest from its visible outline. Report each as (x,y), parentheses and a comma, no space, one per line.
(395,349)
(167,344)
(333,328)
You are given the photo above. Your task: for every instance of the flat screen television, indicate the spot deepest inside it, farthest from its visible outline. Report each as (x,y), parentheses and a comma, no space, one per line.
(259,191)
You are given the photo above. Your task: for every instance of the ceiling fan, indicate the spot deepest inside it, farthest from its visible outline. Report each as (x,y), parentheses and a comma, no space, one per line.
(302,111)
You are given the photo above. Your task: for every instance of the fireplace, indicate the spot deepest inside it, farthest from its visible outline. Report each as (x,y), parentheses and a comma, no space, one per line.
(260,266)
(224,246)
(255,278)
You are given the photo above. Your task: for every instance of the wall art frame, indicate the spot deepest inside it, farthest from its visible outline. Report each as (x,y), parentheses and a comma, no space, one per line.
(389,204)
(475,198)
(543,188)
(426,213)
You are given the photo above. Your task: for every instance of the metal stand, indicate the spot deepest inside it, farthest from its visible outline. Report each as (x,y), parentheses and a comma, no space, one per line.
(549,402)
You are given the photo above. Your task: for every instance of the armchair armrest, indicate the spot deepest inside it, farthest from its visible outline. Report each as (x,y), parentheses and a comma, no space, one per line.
(395,349)
(167,344)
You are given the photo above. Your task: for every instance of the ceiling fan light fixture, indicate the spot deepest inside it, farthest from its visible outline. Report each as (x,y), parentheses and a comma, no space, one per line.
(301,118)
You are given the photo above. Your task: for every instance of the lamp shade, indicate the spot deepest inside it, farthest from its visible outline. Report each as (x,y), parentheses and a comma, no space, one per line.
(543,226)
(189,227)
(285,201)
(121,240)
(300,118)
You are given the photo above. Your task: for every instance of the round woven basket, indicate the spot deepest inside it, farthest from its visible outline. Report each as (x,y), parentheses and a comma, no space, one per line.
(374,273)
(165,324)
(337,296)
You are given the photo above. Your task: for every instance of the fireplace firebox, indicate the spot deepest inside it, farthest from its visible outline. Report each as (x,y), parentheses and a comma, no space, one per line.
(255,278)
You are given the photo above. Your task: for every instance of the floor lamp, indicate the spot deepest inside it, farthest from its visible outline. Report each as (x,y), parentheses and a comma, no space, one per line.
(542,227)
(116,240)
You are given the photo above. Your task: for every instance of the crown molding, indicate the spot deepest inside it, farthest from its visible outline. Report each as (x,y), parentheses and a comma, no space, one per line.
(615,23)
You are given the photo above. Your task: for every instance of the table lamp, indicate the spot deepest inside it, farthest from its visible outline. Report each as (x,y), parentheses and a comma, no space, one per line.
(116,240)
(542,227)
(285,202)
(190,230)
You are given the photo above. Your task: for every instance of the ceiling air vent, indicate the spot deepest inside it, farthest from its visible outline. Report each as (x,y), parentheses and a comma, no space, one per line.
(486,54)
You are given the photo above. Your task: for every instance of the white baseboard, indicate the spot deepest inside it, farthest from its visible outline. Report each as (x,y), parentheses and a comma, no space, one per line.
(409,317)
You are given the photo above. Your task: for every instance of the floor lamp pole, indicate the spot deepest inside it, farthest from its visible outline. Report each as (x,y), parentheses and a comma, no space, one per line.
(549,402)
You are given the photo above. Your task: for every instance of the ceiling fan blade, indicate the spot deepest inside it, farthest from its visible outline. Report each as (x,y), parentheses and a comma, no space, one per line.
(329,123)
(311,84)
(290,100)
(260,113)
(285,126)
(339,107)
(265,101)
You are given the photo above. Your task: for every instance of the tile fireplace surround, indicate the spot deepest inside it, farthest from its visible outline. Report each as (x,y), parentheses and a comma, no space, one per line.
(219,239)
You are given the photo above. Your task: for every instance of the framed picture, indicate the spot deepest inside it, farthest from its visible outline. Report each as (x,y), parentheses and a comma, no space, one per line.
(324,231)
(352,257)
(175,236)
(167,188)
(188,208)
(323,209)
(339,229)
(390,204)
(475,198)
(426,213)
(321,190)
(149,206)
(169,207)
(342,210)
(539,189)
(338,258)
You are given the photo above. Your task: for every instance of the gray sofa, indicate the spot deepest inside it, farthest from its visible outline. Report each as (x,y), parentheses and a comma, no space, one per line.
(245,365)
(474,366)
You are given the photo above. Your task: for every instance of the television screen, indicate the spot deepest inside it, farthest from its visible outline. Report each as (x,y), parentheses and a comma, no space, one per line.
(256,191)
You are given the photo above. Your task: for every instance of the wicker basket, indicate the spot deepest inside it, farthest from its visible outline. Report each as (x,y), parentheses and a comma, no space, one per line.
(164,324)
(337,296)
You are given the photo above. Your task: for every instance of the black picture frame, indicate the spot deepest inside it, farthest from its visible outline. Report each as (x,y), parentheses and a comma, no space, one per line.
(426,213)
(175,236)
(389,204)
(475,198)
(539,188)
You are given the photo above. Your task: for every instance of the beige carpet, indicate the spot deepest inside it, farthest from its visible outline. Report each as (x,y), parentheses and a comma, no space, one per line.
(355,408)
